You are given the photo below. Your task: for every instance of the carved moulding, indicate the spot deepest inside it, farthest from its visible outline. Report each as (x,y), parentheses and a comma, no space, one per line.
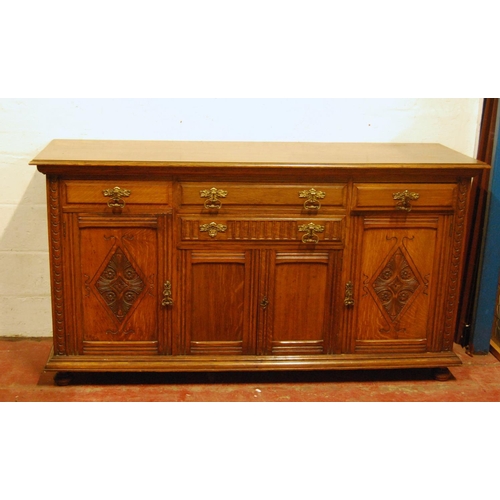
(453,284)
(57,266)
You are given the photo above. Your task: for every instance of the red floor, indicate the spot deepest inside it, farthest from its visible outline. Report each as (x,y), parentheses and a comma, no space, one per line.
(22,378)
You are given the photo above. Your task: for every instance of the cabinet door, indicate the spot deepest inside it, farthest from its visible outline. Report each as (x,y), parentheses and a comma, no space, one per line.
(401,269)
(298,302)
(216,314)
(120,264)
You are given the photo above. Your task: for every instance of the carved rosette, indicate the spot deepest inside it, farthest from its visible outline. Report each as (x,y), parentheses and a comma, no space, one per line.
(395,285)
(119,284)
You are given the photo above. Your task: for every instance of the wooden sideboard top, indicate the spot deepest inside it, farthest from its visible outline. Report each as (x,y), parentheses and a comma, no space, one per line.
(213,153)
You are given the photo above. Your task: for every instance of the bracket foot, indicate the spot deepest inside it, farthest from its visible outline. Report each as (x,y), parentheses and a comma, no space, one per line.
(442,374)
(63,378)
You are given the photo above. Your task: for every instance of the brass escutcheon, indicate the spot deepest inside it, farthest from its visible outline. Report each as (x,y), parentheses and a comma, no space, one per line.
(310,230)
(116,194)
(213,228)
(312,196)
(213,195)
(349,294)
(403,198)
(167,295)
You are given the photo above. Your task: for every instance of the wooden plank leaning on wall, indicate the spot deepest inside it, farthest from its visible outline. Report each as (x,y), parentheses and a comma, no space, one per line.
(485,153)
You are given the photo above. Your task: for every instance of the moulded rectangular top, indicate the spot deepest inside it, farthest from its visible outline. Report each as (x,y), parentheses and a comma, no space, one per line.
(218,153)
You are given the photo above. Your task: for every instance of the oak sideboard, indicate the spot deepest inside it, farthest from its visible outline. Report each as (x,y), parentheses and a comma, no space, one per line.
(215,256)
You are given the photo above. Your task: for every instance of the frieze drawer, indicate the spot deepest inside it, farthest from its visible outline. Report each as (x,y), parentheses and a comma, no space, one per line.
(117,193)
(315,230)
(404,197)
(217,195)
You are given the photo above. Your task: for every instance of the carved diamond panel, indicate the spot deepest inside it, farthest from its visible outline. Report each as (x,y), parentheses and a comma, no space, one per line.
(119,284)
(396,284)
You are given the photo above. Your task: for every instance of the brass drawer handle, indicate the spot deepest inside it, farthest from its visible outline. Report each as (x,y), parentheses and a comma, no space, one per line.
(213,228)
(310,230)
(116,194)
(403,198)
(312,196)
(167,295)
(349,294)
(213,195)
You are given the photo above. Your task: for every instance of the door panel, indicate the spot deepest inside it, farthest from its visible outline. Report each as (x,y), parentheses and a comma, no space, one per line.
(217,312)
(120,285)
(300,311)
(397,294)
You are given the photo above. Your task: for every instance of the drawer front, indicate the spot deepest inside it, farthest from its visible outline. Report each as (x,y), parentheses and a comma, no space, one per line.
(403,197)
(218,195)
(121,193)
(312,231)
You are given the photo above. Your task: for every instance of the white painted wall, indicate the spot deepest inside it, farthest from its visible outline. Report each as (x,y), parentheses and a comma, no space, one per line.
(27,125)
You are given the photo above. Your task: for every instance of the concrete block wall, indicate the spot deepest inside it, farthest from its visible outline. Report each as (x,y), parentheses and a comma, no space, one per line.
(27,125)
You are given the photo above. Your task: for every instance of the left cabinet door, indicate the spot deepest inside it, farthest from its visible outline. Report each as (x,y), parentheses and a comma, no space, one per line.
(217,313)
(120,272)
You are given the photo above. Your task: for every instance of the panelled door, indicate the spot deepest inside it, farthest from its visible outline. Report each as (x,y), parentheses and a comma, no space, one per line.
(298,301)
(120,280)
(217,307)
(259,301)
(401,270)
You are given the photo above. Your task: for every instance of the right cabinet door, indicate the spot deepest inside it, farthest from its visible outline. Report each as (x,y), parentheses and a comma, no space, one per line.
(299,301)
(400,279)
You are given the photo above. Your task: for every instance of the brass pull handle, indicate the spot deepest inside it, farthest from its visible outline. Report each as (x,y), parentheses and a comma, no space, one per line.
(213,228)
(310,230)
(116,194)
(403,198)
(349,294)
(312,196)
(264,302)
(213,195)
(167,295)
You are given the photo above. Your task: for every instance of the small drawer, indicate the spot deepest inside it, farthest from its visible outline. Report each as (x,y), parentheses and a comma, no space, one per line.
(117,193)
(404,197)
(315,230)
(219,194)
